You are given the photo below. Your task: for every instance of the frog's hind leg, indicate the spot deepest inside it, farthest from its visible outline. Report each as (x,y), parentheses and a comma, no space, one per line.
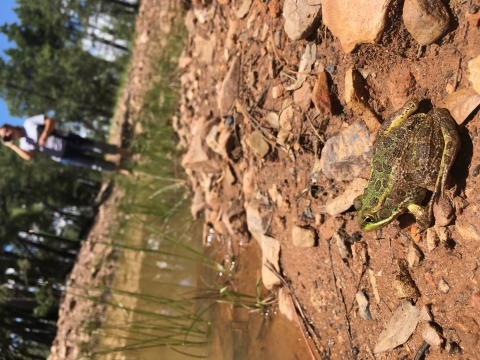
(451,140)
(423,216)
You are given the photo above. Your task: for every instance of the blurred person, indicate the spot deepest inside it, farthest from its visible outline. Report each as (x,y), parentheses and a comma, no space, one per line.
(38,135)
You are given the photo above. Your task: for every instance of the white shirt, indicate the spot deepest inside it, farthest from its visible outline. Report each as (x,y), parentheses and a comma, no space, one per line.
(54,146)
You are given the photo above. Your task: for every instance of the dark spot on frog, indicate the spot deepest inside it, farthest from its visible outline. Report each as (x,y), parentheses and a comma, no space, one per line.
(378,165)
(378,185)
(401,193)
(373,202)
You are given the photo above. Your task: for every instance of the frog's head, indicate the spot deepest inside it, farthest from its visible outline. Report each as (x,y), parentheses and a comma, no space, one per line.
(370,219)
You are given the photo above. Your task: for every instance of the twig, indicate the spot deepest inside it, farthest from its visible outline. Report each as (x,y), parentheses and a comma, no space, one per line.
(315,130)
(340,296)
(301,326)
(259,100)
(455,82)
(307,326)
(284,64)
(421,350)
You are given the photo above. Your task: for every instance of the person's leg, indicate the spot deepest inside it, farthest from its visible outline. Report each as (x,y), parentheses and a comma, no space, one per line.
(81,144)
(75,158)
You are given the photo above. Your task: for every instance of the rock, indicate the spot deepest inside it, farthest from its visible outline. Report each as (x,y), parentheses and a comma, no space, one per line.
(355,21)
(373,282)
(274,8)
(285,305)
(308,59)
(356,99)
(461,104)
(473,19)
(360,255)
(399,328)
(468,224)
(414,256)
(403,283)
(431,336)
(363,304)
(270,255)
(243,9)
(345,156)
(184,62)
(321,95)
(248,183)
(198,203)
(432,239)
(340,237)
(303,237)
(303,96)
(345,200)
(228,90)
(196,158)
(444,211)
(257,221)
(400,86)
(474,73)
(425,20)
(301,18)
(277,91)
(286,115)
(204,49)
(258,144)
(443,233)
(476,300)
(272,120)
(425,314)
(443,287)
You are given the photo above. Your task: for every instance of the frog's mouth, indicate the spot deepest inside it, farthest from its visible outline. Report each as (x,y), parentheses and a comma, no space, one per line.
(371,221)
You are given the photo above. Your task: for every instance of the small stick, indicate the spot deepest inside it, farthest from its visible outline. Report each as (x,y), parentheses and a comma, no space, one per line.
(455,83)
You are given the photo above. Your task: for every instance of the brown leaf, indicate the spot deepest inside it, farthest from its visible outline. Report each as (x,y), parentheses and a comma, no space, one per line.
(321,95)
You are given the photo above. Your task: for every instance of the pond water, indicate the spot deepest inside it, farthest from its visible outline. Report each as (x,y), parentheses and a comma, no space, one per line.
(144,325)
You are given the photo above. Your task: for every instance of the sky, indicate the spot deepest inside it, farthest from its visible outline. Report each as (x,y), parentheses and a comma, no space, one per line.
(6,15)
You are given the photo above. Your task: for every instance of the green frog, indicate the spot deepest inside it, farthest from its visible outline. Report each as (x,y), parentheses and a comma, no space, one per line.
(412,154)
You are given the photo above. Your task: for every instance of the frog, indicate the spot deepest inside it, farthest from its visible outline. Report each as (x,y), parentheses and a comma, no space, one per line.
(412,155)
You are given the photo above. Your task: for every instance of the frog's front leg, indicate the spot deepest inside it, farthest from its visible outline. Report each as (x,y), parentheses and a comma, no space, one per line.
(399,116)
(423,215)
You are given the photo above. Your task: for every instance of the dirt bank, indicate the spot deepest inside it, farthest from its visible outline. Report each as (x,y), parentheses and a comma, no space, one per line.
(278,131)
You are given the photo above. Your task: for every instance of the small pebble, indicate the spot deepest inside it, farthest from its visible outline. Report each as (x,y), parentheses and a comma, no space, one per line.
(443,286)
(431,336)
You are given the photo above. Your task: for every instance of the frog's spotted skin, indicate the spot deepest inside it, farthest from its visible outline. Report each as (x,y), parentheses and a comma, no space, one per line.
(412,154)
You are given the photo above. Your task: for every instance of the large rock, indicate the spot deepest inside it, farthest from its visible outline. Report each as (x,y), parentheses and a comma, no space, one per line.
(270,257)
(228,91)
(355,21)
(356,99)
(425,20)
(302,17)
(474,73)
(345,200)
(303,237)
(345,156)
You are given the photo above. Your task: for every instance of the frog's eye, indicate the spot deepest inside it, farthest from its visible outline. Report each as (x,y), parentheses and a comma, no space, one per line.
(384,213)
(369,219)
(357,203)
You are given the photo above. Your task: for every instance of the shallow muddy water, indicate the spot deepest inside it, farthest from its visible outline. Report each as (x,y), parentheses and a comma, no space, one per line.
(232,333)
